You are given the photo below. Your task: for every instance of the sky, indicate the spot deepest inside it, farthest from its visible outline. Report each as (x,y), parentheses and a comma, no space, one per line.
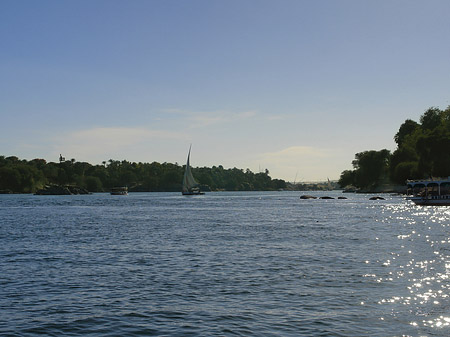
(293,86)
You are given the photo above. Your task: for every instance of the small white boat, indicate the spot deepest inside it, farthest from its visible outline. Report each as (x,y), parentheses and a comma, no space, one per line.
(119,191)
(190,185)
(429,192)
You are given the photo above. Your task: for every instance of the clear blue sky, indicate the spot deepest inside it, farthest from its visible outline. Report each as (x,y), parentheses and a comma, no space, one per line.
(297,87)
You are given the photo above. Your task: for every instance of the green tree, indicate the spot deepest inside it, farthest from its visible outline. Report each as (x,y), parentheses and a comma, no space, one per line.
(10,179)
(407,158)
(27,176)
(434,153)
(371,168)
(94,184)
(347,178)
(405,130)
(405,170)
(431,118)
(277,184)
(422,152)
(446,118)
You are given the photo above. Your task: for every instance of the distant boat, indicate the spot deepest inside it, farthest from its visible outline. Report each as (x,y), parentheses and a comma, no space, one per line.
(119,191)
(190,185)
(429,192)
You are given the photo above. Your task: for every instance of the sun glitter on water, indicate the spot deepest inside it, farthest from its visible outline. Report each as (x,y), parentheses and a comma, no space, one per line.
(421,262)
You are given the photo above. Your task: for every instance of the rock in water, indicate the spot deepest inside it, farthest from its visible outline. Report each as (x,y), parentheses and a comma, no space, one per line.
(61,190)
(376,198)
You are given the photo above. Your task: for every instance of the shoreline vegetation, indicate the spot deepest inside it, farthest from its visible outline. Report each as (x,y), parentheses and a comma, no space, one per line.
(71,177)
(423,152)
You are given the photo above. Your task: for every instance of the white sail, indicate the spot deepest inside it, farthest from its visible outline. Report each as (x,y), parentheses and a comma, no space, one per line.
(189,182)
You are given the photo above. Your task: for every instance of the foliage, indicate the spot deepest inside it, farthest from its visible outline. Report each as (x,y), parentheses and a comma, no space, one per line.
(406,129)
(371,168)
(22,176)
(422,152)
(347,178)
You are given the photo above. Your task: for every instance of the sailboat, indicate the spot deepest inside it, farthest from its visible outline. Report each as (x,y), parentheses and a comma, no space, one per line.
(190,185)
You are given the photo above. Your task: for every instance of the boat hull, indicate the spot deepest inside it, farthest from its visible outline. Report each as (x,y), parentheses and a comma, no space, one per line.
(193,193)
(435,192)
(119,191)
(442,201)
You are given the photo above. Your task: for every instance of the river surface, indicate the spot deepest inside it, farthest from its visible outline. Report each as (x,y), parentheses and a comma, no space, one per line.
(223,264)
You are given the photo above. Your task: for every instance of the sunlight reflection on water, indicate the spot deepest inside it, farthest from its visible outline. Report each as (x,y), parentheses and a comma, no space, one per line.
(421,261)
(228,263)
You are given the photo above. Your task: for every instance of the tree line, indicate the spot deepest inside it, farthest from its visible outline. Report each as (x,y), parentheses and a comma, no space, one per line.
(23,176)
(423,152)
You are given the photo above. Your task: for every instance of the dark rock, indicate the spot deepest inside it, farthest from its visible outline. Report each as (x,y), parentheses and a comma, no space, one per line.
(326,198)
(307,197)
(77,190)
(53,190)
(61,190)
(342,197)
(376,198)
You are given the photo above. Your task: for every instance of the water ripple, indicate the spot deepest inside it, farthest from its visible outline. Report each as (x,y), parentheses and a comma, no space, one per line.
(225,264)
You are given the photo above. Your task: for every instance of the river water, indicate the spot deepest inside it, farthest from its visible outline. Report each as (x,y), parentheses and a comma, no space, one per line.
(223,264)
